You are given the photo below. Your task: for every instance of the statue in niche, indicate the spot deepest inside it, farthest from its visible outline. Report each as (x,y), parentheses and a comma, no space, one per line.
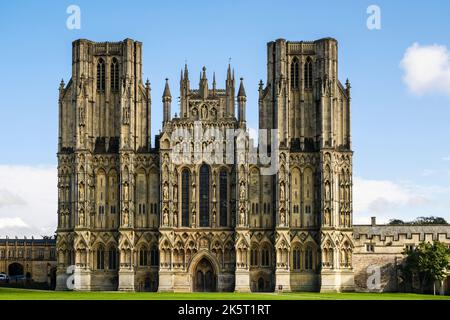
(214,192)
(242,217)
(282,192)
(125,219)
(81,192)
(242,191)
(282,218)
(166,192)
(193,192)
(81,219)
(214,218)
(165,218)
(194,216)
(126,115)
(175,193)
(327,191)
(204,113)
(81,115)
(125,191)
(175,219)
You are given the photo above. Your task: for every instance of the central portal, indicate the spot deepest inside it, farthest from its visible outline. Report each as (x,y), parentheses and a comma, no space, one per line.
(204,277)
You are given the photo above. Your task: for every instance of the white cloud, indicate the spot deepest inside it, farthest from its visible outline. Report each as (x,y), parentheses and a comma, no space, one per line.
(28,200)
(427,69)
(387,200)
(428,172)
(12,223)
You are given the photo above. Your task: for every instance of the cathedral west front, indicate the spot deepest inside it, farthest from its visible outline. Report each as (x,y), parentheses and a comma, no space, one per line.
(205,208)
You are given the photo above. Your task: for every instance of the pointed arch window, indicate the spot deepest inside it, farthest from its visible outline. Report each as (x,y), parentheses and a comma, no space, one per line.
(101,75)
(223,185)
(112,261)
(204,196)
(185,177)
(114,75)
(294,73)
(308,74)
(100,258)
(296,259)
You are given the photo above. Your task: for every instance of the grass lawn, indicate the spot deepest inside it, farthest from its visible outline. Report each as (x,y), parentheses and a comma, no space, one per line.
(25,294)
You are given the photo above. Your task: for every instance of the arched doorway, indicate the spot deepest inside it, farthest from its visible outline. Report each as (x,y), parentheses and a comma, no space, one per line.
(204,277)
(261,284)
(15,269)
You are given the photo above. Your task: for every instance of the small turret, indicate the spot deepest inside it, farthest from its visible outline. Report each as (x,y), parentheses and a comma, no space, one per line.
(242,99)
(203,84)
(167,100)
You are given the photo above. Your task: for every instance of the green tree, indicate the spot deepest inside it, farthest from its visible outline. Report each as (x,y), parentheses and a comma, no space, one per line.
(395,222)
(429,261)
(429,220)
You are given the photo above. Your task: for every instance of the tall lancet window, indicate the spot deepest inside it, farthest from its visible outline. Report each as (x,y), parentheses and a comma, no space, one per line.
(204,196)
(101,75)
(294,73)
(185,198)
(308,74)
(114,75)
(223,185)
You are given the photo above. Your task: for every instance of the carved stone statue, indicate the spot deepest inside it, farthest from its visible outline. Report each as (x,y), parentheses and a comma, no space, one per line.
(175,193)
(282,218)
(81,192)
(175,219)
(81,219)
(165,218)
(242,191)
(194,217)
(125,219)
(193,192)
(125,191)
(242,217)
(166,192)
(282,193)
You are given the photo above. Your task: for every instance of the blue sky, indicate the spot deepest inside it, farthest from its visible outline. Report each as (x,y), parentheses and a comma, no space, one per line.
(400,138)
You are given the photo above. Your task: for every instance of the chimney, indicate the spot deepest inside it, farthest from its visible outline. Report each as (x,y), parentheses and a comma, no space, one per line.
(373,221)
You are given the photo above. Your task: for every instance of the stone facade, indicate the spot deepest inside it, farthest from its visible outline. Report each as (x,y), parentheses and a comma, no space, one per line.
(379,248)
(132,217)
(33,258)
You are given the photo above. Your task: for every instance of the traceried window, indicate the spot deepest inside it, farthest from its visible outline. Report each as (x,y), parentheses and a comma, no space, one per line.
(308,73)
(309,265)
(101,75)
(112,261)
(143,255)
(265,257)
(294,73)
(185,198)
(296,259)
(254,257)
(114,75)
(223,185)
(100,259)
(154,257)
(204,196)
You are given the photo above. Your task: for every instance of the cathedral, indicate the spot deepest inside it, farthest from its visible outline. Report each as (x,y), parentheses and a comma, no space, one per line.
(206,208)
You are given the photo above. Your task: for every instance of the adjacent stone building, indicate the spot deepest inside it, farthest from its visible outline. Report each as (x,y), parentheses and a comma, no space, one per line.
(379,251)
(34,259)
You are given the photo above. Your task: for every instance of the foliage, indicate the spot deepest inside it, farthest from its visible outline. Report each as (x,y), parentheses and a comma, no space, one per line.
(429,261)
(419,221)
